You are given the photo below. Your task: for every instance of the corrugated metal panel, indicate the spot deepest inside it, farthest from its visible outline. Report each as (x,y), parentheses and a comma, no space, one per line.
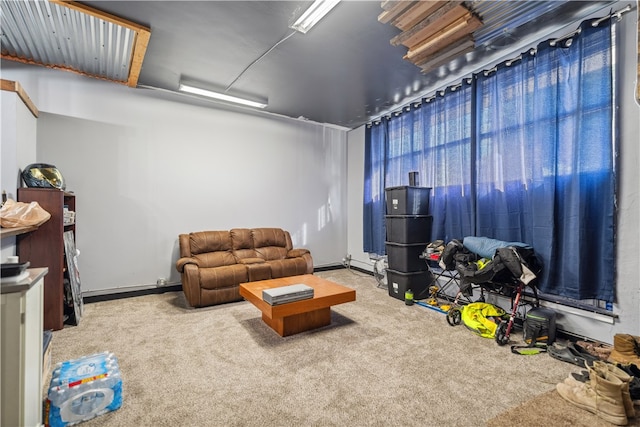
(501,17)
(56,36)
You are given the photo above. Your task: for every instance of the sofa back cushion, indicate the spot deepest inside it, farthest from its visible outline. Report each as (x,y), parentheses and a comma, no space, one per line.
(242,243)
(211,248)
(271,243)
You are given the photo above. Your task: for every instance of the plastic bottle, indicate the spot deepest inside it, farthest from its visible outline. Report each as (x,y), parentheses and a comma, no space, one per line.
(408,297)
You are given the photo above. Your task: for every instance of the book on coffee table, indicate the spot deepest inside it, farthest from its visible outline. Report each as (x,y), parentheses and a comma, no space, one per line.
(285,294)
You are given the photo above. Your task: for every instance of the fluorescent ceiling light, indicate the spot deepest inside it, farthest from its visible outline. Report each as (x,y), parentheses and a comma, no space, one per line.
(315,13)
(219,96)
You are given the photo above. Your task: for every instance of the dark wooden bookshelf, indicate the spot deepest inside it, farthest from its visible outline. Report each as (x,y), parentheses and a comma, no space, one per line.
(44,247)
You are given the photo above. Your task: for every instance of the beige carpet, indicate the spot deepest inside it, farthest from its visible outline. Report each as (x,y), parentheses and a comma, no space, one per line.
(380,362)
(549,409)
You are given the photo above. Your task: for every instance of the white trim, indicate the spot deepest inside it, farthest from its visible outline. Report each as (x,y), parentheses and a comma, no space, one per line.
(579,312)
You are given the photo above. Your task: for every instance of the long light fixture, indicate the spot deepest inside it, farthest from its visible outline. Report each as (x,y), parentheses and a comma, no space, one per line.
(220,96)
(313,15)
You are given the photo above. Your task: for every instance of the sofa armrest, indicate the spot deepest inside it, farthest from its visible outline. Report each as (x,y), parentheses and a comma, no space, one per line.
(248,261)
(184,261)
(295,253)
(305,254)
(191,284)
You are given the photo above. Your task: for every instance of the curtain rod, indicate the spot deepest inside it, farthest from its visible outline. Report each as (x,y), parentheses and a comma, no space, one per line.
(532,51)
(617,14)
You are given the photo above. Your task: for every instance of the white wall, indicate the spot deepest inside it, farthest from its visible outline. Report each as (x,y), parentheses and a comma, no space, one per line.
(145,170)
(355,191)
(18,133)
(627,248)
(628,226)
(8,151)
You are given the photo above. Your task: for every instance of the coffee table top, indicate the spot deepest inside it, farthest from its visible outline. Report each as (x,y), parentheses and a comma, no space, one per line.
(325,294)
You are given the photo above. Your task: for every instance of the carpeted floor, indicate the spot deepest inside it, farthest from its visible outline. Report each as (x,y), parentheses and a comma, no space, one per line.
(549,409)
(380,362)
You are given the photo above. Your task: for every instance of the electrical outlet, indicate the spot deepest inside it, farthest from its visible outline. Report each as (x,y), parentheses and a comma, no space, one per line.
(161,282)
(346,261)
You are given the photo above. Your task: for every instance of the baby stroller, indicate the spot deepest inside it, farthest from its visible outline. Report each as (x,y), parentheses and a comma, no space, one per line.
(493,265)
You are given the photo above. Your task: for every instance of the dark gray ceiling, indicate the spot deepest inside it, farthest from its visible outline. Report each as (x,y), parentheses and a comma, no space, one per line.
(342,72)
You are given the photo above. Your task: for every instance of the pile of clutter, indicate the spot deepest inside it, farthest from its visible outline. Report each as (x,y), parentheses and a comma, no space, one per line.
(68,217)
(433,251)
(607,388)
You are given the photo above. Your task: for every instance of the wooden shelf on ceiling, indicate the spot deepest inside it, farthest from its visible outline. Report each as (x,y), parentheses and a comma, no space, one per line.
(434,32)
(141,39)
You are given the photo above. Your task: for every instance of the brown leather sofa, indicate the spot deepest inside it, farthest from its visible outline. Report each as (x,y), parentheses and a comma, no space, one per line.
(214,263)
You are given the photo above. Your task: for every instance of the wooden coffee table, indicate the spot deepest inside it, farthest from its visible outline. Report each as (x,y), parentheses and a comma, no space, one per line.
(299,316)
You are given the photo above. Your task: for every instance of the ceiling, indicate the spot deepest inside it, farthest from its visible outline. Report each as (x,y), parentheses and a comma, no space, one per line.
(343,72)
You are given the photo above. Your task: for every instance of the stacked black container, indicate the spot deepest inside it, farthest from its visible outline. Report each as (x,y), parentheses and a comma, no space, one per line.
(408,226)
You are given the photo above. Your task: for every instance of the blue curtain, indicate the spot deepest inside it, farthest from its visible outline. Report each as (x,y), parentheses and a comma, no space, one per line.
(545,163)
(447,161)
(375,160)
(433,139)
(525,153)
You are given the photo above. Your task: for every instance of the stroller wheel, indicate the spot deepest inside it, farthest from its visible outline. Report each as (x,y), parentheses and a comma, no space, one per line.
(501,333)
(454,316)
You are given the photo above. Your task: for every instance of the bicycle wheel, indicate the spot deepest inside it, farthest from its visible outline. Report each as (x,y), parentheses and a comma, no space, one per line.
(501,333)
(454,316)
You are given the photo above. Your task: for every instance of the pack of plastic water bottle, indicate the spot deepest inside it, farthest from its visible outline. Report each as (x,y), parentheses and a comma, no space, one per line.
(82,389)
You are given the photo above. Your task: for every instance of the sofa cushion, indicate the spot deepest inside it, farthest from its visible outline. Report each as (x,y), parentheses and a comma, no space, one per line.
(261,271)
(209,241)
(271,243)
(211,249)
(264,237)
(242,243)
(288,267)
(248,261)
(222,277)
(269,253)
(215,259)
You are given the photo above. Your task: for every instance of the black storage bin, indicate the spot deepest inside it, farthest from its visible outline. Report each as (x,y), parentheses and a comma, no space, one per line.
(406,257)
(418,281)
(408,229)
(407,200)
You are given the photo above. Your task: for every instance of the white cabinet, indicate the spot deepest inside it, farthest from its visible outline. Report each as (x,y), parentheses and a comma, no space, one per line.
(21,393)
